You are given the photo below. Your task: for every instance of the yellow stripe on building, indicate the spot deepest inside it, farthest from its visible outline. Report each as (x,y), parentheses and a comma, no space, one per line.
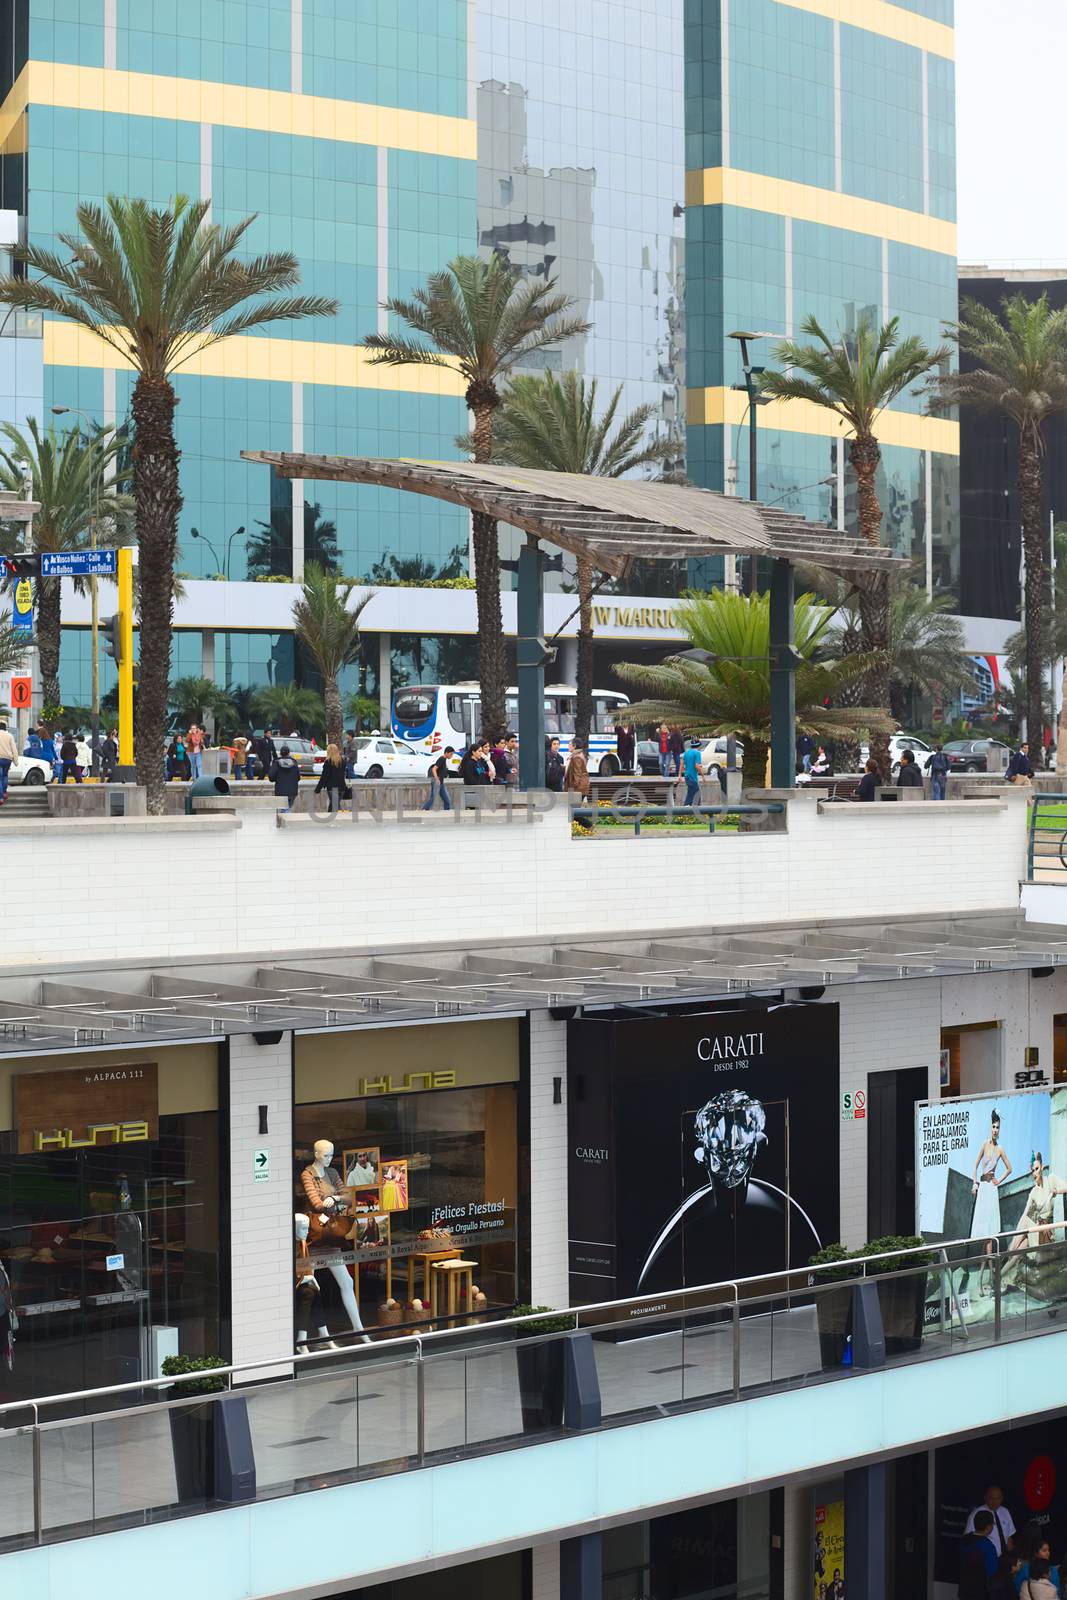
(914,432)
(753,191)
(230,105)
(882,17)
(264,360)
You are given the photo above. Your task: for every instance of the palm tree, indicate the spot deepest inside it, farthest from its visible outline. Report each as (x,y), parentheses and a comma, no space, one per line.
(158,286)
(485,318)
(269,553)
(14,642)
(198,699)
(552,424)
(732,692)
(77,484)
(328,627)
(856,377)
(1017,364)
(289,707)
(927,645)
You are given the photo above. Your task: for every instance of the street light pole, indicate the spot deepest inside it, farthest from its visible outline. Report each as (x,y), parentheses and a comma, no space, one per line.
(94,714)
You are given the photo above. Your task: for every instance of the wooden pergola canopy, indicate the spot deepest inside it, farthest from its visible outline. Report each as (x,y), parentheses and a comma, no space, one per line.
(611,521)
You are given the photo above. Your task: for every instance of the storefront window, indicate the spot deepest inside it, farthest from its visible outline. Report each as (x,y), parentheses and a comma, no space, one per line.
(109,1226)
(423,1185)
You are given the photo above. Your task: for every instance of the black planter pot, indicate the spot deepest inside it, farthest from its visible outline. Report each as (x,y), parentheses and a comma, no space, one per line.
(192,1437)
(902,1298)
(540,1383)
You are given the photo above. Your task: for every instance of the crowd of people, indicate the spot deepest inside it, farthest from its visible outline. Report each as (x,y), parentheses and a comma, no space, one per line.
(1000,1562)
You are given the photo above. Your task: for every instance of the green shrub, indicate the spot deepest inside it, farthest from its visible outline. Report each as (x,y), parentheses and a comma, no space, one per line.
(177,1366)
(551,1323)
(833,1253)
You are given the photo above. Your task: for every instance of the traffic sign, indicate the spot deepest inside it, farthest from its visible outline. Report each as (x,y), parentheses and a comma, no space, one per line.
(261,1166)
(79,563)
(21,692)
(22,606)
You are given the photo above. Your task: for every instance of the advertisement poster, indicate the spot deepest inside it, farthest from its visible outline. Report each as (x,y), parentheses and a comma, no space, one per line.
(829,1555)
(703,1146)
(992,1165)
(1026,1464)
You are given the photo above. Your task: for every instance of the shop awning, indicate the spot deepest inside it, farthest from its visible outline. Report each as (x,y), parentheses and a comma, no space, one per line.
(105,1007)
(613,521)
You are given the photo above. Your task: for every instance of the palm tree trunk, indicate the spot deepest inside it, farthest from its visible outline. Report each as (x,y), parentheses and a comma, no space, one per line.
(48,634)
(754,763)
(1034,559)
(158,501)
(865,455)
(492,661)
(334,722)
(583,717)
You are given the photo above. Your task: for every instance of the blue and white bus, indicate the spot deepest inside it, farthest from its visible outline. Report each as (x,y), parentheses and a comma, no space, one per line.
(431,716)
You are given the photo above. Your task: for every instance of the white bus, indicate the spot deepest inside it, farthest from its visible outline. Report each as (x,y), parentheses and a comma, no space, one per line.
(431,716)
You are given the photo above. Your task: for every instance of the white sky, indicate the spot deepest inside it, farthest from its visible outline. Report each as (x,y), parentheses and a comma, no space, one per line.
(1011,148)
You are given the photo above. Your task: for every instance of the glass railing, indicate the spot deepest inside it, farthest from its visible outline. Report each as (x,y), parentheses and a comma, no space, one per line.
(78,1464)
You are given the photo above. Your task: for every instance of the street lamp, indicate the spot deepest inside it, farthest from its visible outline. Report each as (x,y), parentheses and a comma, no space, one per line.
(196,534)
(94,721)
(800,488)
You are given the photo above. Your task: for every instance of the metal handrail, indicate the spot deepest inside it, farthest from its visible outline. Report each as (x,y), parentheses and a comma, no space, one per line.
(793,1280)
(1036,826)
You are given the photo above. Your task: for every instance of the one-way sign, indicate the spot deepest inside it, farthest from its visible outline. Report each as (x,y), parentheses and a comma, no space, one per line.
(78,563)
(261,1166)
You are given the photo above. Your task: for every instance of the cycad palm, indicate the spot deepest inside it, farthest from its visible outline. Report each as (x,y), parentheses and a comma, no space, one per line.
(483,317)
(732,693)
(329,629)
(856,378)
(1017,365)
(552,424)
(289,707)
(76,482)
(158,286)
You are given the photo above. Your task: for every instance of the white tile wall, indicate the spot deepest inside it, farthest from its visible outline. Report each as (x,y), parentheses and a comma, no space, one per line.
(545,1585)
(233,899)
(548,1162)
(262,1213)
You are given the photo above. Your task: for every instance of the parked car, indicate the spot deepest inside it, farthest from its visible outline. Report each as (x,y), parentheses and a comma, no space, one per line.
(308,756)
(977,755)
(379,756)
(899,742)
(30,771)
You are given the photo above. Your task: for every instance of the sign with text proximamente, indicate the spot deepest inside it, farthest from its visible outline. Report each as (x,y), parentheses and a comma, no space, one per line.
(87,1107)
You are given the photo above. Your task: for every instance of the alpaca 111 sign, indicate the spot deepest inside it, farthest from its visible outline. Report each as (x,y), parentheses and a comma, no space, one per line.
(702,1146)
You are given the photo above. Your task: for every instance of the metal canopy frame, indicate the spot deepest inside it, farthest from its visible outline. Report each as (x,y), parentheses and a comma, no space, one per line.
(613,522)
(126,1006)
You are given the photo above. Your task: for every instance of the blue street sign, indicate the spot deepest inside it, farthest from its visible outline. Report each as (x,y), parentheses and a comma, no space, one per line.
(79,564)
(22,605)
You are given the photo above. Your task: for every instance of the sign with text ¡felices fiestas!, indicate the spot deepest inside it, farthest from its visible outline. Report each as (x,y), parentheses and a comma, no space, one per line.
(87,1107)
(22,606)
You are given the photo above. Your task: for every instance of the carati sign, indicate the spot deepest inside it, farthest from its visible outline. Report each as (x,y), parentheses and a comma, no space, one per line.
(86,1107)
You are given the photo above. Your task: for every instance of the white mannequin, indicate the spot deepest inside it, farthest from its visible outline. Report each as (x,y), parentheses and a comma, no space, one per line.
(323,1156)
(322,1334)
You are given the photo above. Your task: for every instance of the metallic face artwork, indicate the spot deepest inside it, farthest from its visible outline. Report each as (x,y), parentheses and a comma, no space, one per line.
(730,1130)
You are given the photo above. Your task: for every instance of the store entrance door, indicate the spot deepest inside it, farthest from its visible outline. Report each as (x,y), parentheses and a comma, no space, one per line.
(891,1098)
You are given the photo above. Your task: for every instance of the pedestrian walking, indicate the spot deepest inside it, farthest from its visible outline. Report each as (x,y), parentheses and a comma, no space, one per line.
(625,745)
(663,739)
(109,756)
(49,752)
(476,767)
(176,759)
(576,772)
(266,753)
(68,756)
(978,1558)
(32,747)
(194,745)
(285,776)
(506,761)
(350,751)
(9,752)
(1038,1584)
(554,767)
(332,778)
(909,776)
(437,774)
(692,771)
(1019,769)
(241,757)
(677,746)
(937,767)
(805,750)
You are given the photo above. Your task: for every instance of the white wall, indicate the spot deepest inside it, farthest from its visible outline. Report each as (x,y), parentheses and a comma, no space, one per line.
(261,1213)
(548,1162)
(197,887)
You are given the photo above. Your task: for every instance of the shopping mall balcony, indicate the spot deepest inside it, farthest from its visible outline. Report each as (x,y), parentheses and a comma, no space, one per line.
(435,1449)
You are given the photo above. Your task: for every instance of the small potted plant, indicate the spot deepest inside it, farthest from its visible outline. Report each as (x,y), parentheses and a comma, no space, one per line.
(540,1366)
(192,1428)
(833,1307)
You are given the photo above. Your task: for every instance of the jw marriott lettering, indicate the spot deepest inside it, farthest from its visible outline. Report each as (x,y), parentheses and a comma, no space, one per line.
(85,1109)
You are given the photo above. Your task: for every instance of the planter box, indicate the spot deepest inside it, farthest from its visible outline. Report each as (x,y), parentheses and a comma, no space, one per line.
(833,1308)
(540,1369)
(902,1298)
(192,1436)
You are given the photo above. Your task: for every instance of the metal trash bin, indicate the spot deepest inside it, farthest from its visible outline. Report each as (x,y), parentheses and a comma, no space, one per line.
(202,787)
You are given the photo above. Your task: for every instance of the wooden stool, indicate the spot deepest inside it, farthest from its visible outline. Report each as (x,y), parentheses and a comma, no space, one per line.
(427,1257)
(450,1273)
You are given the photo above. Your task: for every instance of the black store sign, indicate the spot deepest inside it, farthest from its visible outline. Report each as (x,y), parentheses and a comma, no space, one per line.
(701,1147)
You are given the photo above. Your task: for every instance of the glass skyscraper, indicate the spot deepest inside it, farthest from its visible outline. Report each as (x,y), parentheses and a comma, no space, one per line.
(820,179)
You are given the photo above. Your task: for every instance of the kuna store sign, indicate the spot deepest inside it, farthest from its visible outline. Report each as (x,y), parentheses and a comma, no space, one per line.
(87,1107)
